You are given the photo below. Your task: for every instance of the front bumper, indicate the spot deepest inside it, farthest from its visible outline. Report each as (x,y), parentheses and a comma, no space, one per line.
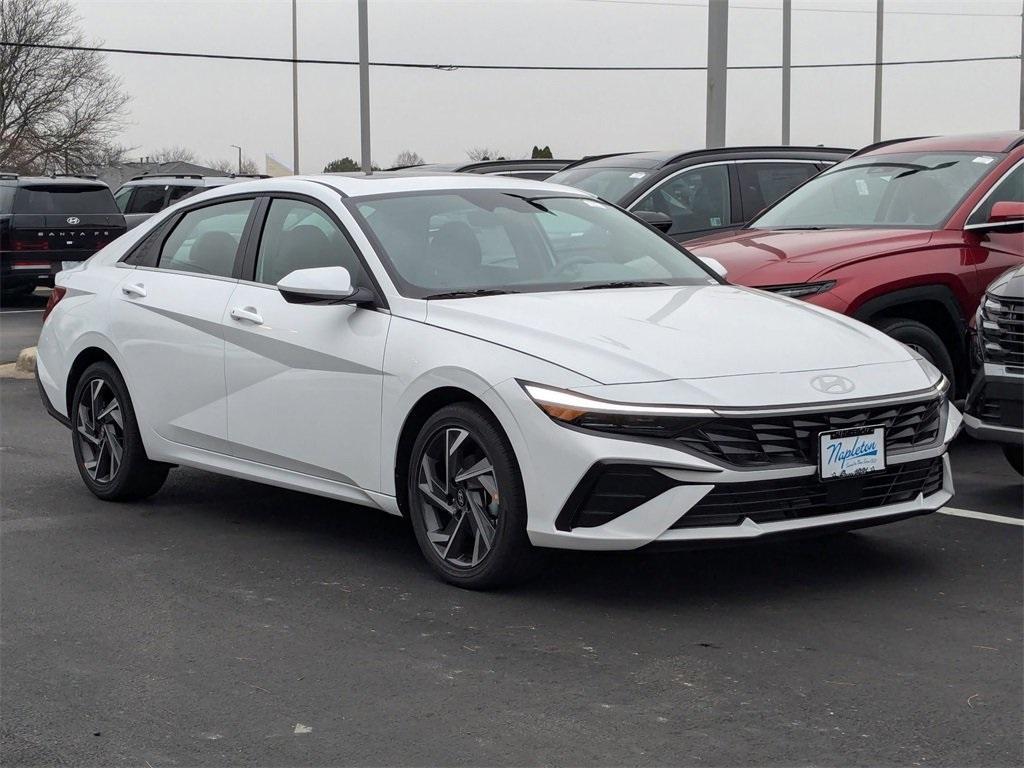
(995,406)
(557,462)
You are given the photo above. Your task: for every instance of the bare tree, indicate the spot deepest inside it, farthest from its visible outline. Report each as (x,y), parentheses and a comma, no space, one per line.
(484,153)
(231,166)
(173,154)
(60,109)
(406,158)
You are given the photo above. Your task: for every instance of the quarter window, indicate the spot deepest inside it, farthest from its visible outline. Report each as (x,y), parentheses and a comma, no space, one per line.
(299,235)
(147,200)
(696,200)
(121,198)
(1010,190)
(761,184)
(206,240)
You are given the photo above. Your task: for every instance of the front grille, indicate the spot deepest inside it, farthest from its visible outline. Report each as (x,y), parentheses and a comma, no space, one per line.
(780,440)
(1002,331)
(794,498)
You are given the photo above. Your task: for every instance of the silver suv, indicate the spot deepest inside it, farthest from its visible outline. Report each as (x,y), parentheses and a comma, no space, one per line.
(145,195)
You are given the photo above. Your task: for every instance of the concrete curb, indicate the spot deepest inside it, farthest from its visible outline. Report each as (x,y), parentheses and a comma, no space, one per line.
(23,368)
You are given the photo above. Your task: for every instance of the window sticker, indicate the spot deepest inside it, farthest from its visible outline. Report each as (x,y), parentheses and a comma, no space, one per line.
(983,159)
(637,175)
(862,188)
(716,221)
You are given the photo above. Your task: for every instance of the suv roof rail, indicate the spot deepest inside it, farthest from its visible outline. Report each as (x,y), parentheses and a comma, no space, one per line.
(588,158)
(249,176)
(886,143)
(165,176)
(92,176)
(758,148)
(8,175)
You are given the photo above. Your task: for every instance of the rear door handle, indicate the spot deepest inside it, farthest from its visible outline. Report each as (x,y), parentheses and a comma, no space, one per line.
(247,313)
(138,290)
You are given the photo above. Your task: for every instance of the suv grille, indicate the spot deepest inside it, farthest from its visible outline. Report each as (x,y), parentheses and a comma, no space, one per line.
(774,440)
(799,497)
(1002,331)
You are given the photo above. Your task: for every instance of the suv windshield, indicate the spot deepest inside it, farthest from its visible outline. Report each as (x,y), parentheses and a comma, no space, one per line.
(906,189)
(610,183)
(462,242)
(61,199)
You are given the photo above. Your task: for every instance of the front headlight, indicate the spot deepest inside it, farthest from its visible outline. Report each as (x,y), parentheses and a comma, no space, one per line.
(573,409)
(800,290)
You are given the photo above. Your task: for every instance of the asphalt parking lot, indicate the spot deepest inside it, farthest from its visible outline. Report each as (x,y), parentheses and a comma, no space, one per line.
(224,622)
(20,320)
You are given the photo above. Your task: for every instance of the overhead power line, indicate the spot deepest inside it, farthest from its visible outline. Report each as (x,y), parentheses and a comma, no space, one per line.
(514,67)
(797,9)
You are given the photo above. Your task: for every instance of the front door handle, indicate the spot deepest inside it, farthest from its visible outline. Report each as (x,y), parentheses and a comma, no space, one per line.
(247,313)
(138,290)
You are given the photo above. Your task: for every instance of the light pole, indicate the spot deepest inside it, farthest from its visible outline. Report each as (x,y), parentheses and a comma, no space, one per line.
(239,158)
(295,91)
(364,89)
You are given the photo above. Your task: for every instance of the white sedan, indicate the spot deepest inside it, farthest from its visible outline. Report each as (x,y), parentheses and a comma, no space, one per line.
(512,365)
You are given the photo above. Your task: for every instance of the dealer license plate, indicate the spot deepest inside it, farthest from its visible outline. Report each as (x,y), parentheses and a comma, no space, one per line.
(849,452)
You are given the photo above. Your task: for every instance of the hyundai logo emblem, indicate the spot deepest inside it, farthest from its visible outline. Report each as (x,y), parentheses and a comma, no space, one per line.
(73,220)
(833,385)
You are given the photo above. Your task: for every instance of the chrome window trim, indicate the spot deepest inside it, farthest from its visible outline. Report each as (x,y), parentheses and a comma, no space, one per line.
(987,195)
(165,271)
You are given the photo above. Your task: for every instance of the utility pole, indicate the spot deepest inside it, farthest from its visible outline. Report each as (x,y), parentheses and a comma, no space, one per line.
(787,61)
(364,88)
(239,157)
(879,35)
(295,89)
(718,59)
(1022,66)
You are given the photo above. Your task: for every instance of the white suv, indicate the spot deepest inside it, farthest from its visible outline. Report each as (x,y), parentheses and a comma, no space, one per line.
(512,365)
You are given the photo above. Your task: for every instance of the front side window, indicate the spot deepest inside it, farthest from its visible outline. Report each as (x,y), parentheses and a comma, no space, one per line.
(1010,190)
(909,189)
(610,183)
(761,184)
(450,242)
(206,240)
(148,199)
(696,200)
(299,235)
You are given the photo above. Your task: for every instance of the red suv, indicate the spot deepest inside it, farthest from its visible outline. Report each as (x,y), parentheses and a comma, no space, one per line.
(904,235)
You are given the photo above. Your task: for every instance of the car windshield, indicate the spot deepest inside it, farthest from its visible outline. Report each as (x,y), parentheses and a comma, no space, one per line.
(905,189)
(610,183)
(451,243)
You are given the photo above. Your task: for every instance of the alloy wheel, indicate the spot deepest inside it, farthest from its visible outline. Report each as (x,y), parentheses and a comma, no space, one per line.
(100,431)
(458,497)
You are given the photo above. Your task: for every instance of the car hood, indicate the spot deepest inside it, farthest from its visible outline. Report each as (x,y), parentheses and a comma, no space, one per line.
(782,256)
(634,335)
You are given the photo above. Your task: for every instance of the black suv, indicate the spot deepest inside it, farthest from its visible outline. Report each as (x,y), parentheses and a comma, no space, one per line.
(48,221)
(692,194)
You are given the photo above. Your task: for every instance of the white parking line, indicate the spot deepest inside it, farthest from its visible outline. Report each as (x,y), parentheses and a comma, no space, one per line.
(982,516)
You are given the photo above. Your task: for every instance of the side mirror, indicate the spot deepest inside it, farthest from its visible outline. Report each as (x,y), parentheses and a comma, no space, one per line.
(1007,212)
(660,221)
(715,266)
(322,285)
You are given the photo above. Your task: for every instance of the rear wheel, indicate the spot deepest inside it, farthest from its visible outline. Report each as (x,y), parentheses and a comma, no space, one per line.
(466,500)
(108,446)
(1015,455)
(922,340)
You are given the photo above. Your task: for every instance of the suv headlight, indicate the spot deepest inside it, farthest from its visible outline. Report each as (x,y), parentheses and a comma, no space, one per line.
(800,290)
(574,409)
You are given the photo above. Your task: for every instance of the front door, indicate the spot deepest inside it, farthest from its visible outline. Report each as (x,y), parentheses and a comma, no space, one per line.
(304,381)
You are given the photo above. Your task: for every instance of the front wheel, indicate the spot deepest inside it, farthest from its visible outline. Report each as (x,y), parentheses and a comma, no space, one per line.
(466,500)
(1015,455)
(108,447)
(923,340)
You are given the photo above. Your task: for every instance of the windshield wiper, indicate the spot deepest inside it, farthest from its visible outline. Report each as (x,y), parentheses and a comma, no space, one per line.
(620,284)
(468,294)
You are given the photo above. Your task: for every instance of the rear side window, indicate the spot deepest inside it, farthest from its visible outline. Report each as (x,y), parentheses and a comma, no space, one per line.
(176,193)
(64,199)
(122,197)
(761,184)
(206,240)
(147,200)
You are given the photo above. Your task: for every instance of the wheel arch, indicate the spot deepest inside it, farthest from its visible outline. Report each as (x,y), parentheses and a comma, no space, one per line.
(83,360)
(932,305)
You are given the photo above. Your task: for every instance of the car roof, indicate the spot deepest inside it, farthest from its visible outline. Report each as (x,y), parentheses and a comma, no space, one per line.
(1000,141)
(76,181)
(385,182)
(663,158)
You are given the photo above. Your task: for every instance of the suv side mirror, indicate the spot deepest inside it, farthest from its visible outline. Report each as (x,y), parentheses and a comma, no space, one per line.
(1007,212)
(322,285)
(660,221)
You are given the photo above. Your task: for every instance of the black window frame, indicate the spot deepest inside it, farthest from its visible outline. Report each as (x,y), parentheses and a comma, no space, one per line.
(666,175)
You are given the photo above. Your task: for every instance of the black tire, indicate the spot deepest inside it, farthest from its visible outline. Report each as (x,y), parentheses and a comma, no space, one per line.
(511,558)
(922,339)
(134,476)
(1015,455)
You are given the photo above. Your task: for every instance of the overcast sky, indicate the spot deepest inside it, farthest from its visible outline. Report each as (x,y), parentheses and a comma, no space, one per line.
(210,105)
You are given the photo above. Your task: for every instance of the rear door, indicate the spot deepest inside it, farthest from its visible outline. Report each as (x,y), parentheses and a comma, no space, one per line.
(166,321)
(304,381)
